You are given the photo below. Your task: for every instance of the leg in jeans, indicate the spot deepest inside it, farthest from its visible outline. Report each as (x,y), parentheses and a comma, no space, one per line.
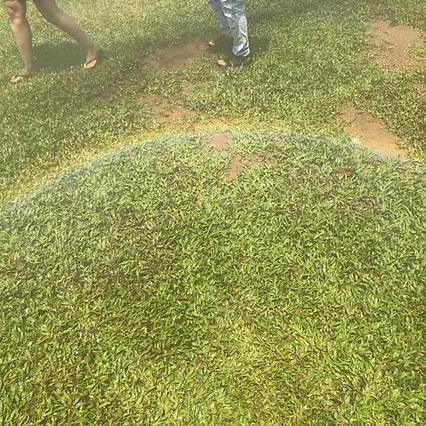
(22,34)
(52,14)
(235,12)
(218,11)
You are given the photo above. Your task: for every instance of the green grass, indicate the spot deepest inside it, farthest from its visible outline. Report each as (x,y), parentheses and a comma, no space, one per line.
(148,289)
(143,288)
(306,67)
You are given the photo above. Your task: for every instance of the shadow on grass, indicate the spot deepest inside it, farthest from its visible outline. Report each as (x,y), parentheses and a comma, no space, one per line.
(55,57)
(102,102)
(259,45)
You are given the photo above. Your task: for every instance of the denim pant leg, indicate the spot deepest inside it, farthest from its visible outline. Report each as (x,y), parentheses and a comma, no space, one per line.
(224,24)
(235,12)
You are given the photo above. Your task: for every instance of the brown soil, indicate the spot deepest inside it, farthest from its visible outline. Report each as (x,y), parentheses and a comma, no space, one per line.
(421,88)
(180,118)
(393,44)
(177,57)
(371,132)
(156,103)
(219,142)
(234,168)
(163,112)
(347,172)
(174,115)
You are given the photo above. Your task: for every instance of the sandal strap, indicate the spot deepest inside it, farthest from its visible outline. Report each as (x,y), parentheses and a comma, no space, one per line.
(20,77)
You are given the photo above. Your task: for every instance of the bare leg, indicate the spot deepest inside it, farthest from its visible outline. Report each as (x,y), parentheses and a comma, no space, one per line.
(52,14)
(22,33)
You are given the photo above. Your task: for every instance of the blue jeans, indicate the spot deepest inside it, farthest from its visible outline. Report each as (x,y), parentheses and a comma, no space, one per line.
(233,23)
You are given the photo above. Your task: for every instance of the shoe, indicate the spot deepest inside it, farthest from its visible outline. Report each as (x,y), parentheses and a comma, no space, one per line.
(235,61)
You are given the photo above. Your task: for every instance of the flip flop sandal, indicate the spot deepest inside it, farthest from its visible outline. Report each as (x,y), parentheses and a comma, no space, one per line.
(18,78)
(98,59)
(235,61)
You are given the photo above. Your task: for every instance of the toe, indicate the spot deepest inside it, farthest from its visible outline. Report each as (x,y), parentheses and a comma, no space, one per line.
(90,64)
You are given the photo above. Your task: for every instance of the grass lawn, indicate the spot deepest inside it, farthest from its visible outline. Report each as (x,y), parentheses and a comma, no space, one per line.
(306,66)
(279,281)
(149,289)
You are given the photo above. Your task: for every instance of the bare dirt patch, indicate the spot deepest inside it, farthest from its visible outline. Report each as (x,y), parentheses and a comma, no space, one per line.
(180,118)
(347,172)
(371,132)
(394,44)
(176,114)
(219,142)
(421,88)
(156,103)
(235,167)
(163,112)
(177,57)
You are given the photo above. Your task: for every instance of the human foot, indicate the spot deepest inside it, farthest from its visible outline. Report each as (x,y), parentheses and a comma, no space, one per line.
(21,76)
(93,58)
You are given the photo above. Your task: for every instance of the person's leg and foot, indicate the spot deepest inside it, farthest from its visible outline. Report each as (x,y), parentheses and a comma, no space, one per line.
(226,39)
(22,33)
(235,12)
(52,14)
